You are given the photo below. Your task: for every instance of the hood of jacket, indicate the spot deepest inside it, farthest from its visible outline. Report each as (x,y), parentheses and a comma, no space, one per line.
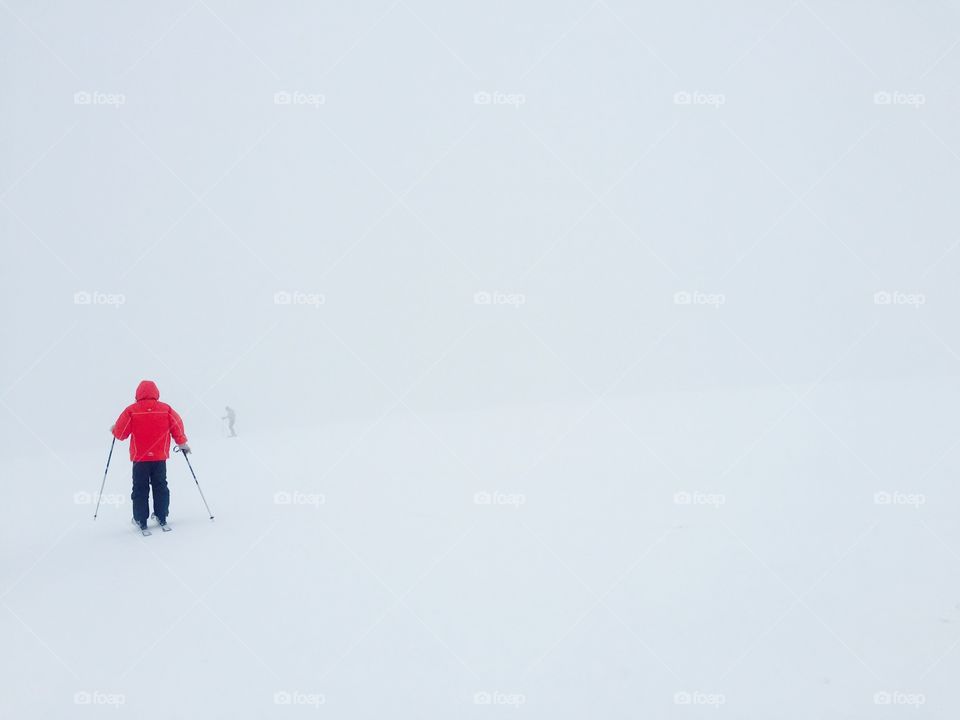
(147,390)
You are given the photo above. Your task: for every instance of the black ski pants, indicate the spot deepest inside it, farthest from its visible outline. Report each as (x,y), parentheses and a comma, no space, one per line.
(150,474)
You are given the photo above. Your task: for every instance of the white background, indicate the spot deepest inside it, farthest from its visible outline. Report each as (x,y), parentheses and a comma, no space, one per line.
(747,500)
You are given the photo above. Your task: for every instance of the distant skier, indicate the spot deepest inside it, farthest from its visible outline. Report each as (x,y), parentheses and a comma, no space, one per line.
(231,418)
(150,424)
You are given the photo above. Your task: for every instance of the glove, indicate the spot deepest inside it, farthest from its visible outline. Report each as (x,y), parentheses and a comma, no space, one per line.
(183,448)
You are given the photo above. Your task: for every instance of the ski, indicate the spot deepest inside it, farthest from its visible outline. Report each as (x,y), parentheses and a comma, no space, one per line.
(143,531)
(165,526)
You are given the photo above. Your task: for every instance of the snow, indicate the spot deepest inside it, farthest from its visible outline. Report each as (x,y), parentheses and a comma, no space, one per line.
(387,586)
(590,359)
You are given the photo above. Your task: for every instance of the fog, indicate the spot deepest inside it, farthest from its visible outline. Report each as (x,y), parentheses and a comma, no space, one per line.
(596,253)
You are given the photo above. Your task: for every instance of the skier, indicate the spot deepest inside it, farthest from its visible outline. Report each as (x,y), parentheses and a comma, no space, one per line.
(230,417)
(149,424)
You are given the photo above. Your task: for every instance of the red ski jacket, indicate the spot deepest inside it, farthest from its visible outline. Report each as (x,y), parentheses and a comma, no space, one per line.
(149,424)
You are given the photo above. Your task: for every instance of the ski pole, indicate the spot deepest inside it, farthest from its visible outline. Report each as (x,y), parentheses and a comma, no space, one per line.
(112,443)
(177,449)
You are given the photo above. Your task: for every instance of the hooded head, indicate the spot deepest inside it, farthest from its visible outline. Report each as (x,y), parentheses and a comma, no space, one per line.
(147,390)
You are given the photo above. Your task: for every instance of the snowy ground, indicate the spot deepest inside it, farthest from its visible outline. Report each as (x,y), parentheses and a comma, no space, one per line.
(379,584)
